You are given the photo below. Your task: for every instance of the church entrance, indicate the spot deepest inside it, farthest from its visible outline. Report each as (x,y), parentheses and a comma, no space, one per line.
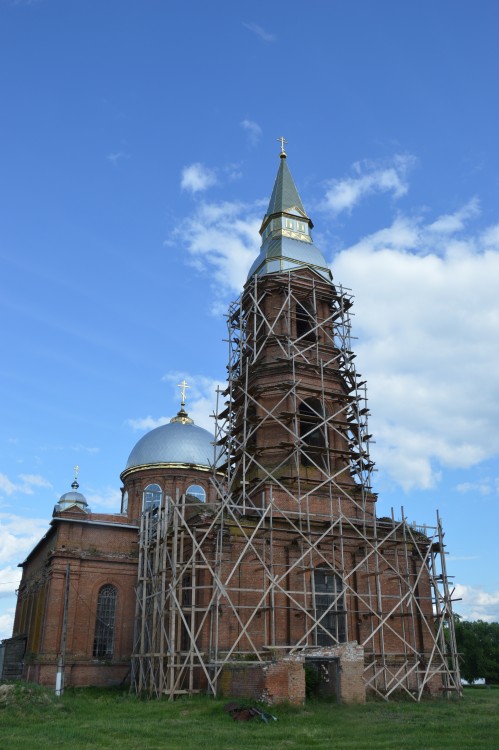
(322,677)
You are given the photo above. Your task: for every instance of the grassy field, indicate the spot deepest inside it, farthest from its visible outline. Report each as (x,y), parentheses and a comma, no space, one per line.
(32,718)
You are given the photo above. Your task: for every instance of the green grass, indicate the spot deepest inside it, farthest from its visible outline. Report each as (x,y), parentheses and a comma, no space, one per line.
(32,718)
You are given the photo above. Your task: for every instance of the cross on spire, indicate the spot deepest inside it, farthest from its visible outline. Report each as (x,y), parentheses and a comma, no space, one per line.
(282,141)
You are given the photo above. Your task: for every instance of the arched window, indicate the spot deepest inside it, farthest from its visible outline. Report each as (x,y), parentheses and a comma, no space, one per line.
(197,492)
(104,622)
(151,497)
(305,321)
(330,612)
(312,432)
(124,502)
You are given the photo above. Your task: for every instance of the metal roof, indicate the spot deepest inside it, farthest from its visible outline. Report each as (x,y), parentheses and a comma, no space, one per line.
(73,497)
(285,254)
(284,195)
(173,443)
(287,243)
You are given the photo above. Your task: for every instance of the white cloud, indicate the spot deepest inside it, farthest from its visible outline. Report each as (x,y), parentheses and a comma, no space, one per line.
(147,423)
(35,479)
(18,535)
(233,171)
(200,397)
(485,486)
(253,130)
(76,448)
(6,485)
(108,498)
(10,577)
(264,35)
(428,325)
(117,156)
(28,481)
(25,3)
(222,238)
(490,237)
(7,623)
(476,603)
(369,177)
(197,178)
(200,401)
(449,223)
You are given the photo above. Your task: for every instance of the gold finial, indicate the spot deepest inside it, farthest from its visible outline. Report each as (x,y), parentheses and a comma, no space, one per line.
(183,385)
(282,141)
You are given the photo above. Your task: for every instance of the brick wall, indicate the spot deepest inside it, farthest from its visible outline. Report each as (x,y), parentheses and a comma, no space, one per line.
(274,682)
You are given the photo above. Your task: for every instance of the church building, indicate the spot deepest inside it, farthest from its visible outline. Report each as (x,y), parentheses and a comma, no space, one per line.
(250,561)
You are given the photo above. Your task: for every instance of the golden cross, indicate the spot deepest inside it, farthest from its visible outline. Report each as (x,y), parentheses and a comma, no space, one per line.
(283,141)
(183,385)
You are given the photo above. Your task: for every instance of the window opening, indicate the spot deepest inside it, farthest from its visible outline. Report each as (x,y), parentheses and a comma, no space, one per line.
(187,590)
(124,503)
(312,432)
(197,492)
(151,497)
(305,321)
(104,622)
(330,599)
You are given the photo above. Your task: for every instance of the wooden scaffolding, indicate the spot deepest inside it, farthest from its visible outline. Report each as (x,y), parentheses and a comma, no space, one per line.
(236,578)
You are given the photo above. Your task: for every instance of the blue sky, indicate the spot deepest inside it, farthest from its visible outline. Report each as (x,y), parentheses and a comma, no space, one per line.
(138,151)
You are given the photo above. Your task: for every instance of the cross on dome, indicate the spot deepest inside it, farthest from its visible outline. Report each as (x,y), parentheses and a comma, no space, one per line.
(182,415)
(183,385)
(75,484)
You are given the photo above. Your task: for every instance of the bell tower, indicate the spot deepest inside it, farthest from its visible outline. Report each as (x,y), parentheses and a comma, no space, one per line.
(297,408)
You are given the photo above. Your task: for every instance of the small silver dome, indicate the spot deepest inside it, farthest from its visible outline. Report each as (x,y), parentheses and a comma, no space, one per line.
(173,443)
(72,499)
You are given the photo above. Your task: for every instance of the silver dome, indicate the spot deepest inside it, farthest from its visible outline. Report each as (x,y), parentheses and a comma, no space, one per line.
(285,254)
(70,498)
(173,443)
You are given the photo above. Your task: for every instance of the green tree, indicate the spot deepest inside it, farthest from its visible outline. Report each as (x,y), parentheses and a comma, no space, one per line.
(478,646)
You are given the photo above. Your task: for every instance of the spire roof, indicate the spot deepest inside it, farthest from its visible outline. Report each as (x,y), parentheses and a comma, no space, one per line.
(286,231)
(284,198)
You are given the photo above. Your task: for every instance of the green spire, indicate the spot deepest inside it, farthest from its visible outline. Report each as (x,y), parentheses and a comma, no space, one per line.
(284,198)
